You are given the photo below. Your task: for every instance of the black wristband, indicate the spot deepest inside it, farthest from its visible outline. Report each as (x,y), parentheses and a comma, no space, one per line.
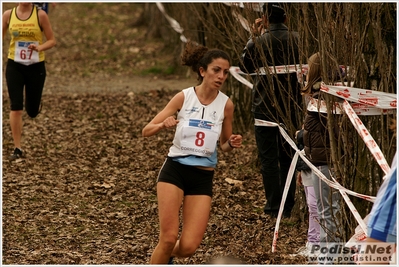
(228,142)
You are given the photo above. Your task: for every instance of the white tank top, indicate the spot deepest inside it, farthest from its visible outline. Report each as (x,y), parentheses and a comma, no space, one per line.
(199,126)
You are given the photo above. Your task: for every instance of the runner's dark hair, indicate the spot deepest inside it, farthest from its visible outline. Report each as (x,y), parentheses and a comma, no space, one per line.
(197,56)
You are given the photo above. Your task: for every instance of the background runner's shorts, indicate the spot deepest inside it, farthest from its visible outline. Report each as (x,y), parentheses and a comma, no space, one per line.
(190,179)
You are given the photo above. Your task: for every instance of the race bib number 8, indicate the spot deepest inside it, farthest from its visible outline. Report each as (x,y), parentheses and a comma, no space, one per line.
(24,55)
(198,141)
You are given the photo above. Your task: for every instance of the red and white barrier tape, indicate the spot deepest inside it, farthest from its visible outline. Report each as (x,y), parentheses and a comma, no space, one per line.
(371,144)
(367,138)
(363,97)
(173,23)
(316,105)
(334,184)
(359,109)
(285,192)
(300,70)
(242,20)
(352,208)
(366,102)
(253,6)
(360,234)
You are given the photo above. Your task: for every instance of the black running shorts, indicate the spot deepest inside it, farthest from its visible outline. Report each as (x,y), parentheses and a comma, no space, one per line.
(31,78)
(190,179)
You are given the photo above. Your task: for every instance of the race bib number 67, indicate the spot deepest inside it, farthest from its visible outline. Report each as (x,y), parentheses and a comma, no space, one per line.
(24,55)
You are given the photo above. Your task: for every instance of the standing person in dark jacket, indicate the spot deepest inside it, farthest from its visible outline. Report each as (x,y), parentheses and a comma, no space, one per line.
(317,148)
(275,98)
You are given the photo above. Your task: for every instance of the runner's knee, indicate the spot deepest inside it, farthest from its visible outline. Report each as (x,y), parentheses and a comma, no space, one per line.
(32,112)
(187,250)
(168,241)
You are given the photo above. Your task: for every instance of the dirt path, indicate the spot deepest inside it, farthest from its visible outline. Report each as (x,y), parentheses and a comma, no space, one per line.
(56,84)
(115,84)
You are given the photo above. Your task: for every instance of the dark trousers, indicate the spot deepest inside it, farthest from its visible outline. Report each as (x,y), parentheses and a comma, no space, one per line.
(275,156)
(29,78)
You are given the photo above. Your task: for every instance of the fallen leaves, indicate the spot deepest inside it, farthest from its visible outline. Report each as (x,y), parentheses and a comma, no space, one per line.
(233,182)
(86,192)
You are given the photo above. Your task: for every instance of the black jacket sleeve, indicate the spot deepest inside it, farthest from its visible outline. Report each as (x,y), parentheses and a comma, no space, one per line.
(248,58)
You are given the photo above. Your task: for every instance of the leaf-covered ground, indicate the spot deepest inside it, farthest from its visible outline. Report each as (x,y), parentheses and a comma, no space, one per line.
(85,193)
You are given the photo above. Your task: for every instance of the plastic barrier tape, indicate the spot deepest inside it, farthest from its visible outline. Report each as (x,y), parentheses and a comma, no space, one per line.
(333,184)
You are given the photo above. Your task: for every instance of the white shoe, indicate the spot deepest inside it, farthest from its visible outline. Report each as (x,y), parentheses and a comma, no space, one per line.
(303,251)
(306,251)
